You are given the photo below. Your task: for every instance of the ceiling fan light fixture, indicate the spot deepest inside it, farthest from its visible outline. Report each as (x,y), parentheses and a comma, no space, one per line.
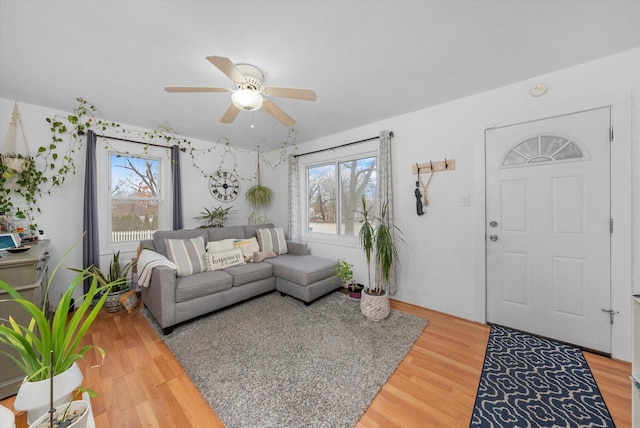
(247,99)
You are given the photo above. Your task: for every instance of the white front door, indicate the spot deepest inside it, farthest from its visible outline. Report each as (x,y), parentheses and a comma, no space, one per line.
(548,228)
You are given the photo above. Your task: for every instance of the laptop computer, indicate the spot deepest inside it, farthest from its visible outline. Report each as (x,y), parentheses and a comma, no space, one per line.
(8,240)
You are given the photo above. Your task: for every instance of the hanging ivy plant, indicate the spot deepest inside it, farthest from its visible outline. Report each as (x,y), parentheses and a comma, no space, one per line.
(54,162)
(19,175)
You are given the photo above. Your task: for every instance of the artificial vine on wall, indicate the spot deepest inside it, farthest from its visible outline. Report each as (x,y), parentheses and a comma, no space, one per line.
(54,162)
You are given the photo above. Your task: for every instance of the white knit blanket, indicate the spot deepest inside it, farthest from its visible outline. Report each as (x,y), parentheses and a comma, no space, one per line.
(147,261)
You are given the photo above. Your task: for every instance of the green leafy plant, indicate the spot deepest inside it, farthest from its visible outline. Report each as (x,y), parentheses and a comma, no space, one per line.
(117,274)
(19,175)
(214,217)
(344,271)
(259,196)
(54,161)
(46,344)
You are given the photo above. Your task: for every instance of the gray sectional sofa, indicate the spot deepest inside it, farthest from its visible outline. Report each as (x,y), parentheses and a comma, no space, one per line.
(173,299)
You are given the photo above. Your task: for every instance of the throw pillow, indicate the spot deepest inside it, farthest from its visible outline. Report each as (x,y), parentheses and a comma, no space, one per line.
(272,240)
(223,259)
(224,244)
(259,256)
(187,254)
(248,247)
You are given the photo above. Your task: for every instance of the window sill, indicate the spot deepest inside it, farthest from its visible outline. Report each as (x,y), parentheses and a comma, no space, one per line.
(340,241)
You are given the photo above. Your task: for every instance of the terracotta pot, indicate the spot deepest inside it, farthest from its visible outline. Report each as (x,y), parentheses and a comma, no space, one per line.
(79,405)
(375,307)
(33,397)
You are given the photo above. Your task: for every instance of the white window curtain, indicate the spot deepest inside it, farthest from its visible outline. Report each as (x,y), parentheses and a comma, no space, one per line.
(295,217)
(385,194)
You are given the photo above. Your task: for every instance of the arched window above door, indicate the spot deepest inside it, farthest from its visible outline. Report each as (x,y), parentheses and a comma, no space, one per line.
(544,148)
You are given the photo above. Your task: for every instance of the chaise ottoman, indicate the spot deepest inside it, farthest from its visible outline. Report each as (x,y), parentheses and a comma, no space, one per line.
(304,277)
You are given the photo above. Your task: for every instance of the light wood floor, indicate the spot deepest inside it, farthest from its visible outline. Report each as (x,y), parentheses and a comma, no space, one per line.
(140,383)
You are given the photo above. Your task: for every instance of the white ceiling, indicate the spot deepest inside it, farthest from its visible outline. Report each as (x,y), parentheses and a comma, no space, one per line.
(366,60)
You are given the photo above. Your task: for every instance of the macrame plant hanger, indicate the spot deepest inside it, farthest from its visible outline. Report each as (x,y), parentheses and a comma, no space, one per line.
(14,162)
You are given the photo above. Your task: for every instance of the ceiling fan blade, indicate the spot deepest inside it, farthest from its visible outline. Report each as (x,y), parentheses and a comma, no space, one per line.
(276,112)
(230,115)
(299,94)
(225,65)
(192,89)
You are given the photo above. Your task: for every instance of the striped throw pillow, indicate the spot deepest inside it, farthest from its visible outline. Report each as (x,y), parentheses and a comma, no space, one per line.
(272,240)
(187,254)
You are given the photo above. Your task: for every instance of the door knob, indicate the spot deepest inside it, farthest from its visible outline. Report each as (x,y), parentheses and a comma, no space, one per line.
(494,238)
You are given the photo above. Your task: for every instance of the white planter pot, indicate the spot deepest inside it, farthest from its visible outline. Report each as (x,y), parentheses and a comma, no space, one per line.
(375,307)
(6,418)
(33,397)
(79,405)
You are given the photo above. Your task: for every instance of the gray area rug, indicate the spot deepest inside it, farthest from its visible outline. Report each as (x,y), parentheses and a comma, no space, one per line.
(273,362)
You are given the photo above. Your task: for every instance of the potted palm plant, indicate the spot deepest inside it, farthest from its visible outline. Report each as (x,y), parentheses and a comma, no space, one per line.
(214,217)
(377,240)
(51,345)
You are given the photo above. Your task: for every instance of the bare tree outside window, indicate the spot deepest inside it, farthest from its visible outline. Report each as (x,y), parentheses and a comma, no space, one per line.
(334,193)
(134,197)
(357,178)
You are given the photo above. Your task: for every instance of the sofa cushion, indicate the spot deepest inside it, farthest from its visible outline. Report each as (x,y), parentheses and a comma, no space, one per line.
(250,229)
(160,235)
(187,254)
(303,270)
(219,260)
(202,284)
(248,247)
(223,244)
(272,240)
(250,272)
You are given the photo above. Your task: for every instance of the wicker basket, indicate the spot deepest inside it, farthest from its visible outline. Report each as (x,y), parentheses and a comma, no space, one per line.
(112,304)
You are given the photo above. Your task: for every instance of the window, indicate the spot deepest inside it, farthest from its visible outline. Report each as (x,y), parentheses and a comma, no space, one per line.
(334,190)
(546,148)
(132,194)
(134,197)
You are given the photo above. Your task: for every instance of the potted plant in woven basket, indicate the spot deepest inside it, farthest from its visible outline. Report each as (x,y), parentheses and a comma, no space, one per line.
(377,239)
(117,275)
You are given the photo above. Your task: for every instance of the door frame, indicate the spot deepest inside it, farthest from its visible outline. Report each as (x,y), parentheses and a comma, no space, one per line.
(621,192)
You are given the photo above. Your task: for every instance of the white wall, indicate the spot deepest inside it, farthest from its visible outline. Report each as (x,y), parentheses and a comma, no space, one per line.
(443,265)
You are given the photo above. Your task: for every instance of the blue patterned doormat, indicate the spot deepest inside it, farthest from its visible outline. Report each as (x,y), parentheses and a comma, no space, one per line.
(529,381)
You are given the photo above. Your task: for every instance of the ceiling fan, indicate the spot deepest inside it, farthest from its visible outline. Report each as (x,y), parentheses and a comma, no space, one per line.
(248,95)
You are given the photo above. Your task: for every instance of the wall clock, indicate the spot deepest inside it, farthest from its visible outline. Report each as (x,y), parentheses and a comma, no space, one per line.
(224,186)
